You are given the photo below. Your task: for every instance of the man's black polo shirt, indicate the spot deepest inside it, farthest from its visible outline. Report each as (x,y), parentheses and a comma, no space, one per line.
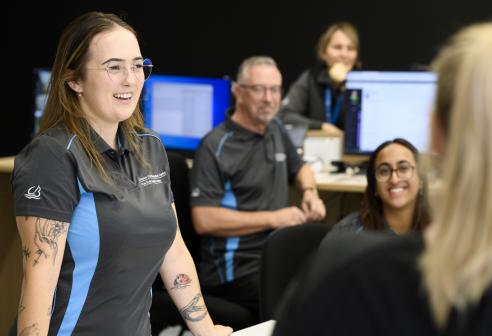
(118,234)
(241,170)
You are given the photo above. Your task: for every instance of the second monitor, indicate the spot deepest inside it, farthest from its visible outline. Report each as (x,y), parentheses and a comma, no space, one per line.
(383,105)
(183,109)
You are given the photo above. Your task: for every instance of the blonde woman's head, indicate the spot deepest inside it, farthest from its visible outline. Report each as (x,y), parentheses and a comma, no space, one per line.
(457,264)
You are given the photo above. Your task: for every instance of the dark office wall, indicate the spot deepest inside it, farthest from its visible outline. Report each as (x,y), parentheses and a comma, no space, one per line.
(210,39)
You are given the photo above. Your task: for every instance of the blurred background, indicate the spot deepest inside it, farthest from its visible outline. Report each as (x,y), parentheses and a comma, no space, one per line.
(211,39)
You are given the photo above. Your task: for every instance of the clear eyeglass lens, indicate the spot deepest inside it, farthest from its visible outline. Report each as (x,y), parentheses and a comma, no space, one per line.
(141,69)
(403,171)
(261,90)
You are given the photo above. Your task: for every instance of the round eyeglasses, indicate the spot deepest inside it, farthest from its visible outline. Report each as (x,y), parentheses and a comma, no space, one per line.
(404,171)
(118,71)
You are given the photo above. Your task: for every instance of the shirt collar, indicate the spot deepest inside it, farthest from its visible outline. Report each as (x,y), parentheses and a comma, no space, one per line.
(102,146)
(241,131)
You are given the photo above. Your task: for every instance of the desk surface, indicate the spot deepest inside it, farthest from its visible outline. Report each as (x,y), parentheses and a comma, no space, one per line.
(261,329)
(340,182)
(6,164)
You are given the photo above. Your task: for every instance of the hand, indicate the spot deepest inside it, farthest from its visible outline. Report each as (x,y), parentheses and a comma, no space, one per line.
(331,129)
(288,217)
(338,72)
(220,330)
(313,206)
(213,330)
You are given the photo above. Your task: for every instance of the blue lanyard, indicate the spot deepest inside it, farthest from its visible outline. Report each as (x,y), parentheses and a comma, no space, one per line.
(332,115)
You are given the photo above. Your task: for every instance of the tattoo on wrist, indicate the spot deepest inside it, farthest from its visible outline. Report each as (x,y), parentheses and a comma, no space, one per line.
(181,281)
(199,312)
(21,308)
(32,330)
(46,239)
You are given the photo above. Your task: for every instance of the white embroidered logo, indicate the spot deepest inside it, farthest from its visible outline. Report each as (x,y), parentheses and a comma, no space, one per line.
(33,193)
(151,179)
(195,192)
(280,157)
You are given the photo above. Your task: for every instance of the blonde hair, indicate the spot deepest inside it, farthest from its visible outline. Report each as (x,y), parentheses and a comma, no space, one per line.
(457,263)
(62,105)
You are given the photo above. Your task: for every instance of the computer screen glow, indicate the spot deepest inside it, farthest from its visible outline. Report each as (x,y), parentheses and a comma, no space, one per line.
(183,109)
(384,105)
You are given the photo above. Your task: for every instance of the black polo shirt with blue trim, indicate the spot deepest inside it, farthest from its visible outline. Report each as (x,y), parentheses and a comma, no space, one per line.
(241,170)
(118,233)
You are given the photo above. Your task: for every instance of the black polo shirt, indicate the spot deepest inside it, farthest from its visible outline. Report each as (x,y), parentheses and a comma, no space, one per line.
(118,233)
(241,170)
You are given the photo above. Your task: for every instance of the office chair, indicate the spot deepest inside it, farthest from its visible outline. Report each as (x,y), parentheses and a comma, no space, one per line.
(163,311)
(284,253)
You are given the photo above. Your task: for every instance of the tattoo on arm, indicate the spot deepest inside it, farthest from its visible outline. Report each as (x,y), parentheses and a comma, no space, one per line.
(21,308)
(32,330)
(181,281)
(26,252)
(46,238)
(191,308)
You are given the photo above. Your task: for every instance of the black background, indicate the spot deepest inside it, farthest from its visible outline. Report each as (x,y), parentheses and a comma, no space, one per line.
(209,38)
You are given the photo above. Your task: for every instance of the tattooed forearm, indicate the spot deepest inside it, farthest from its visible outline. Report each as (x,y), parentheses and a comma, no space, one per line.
(26,252)
(191,308)
(181,281)
(46,238)
(32,330)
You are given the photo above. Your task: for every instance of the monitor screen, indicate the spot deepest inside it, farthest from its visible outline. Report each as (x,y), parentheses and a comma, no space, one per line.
(183,109)
(42,78)
(383,105)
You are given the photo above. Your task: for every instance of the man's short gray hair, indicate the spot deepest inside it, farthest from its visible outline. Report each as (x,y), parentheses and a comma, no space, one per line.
(252,61)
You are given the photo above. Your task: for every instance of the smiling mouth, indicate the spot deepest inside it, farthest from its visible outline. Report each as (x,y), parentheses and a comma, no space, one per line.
(123,96)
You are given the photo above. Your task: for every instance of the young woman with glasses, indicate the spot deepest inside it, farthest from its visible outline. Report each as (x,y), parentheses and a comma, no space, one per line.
(93,201)
(395,199)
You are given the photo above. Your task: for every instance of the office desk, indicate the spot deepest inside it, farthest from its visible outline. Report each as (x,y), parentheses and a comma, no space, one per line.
(340,182)
(6,164)
(10,249)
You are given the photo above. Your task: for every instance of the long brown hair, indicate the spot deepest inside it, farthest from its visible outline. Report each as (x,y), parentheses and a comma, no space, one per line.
(62,105)
(372,206)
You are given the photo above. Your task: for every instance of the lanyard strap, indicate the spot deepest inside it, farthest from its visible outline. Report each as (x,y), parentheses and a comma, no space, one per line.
(332,114)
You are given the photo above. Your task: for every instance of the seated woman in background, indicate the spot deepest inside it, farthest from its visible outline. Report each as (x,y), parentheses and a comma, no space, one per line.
(438,283)
(395,199)
(316,98)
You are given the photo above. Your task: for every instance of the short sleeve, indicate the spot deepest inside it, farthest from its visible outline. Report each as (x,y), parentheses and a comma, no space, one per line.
(167,186)
(294,160)
(207,180)
(44,181)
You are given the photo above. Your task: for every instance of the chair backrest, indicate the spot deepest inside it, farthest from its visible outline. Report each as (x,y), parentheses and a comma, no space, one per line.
(284,253)
(180,185)
(163,312)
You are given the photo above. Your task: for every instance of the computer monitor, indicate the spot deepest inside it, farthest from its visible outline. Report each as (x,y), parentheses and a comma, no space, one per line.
(183,109)
(383,105)
(42,80)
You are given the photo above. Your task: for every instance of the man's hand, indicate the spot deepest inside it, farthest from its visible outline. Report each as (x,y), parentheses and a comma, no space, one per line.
(312,205)
(288,217)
